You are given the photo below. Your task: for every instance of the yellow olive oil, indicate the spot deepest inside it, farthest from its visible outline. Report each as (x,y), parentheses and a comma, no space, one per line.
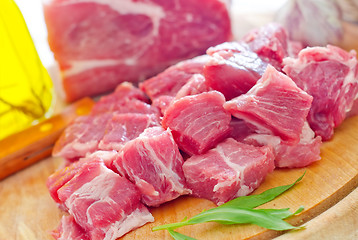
(25,86)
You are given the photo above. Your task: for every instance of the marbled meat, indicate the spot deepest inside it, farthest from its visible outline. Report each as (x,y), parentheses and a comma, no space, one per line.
(101,43)
(229,170)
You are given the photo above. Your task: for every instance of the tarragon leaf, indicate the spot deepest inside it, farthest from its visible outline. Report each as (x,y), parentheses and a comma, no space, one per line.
(241,211)
(253,201)
(179,236)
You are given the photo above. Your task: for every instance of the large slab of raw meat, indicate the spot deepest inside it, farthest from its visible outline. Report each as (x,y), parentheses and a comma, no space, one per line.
(229,170)
(101,43)
(330,75)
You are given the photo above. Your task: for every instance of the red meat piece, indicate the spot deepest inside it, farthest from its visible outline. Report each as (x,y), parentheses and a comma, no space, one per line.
(69,229)
(270,43)
(198,122)
(233,69)
(124,127)
(174,78)
(275,105)
(330,75)
(302,154)
(104,204)
(156,152)
(229,170)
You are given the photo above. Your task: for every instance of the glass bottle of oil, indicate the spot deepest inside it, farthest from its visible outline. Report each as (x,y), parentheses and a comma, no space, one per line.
(25,86)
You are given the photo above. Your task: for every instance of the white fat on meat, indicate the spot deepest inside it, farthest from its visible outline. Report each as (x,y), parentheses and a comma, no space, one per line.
(136,218)
(155,12)
(237,168)
(229,170)
(89,190)
(78,66)
(165,170)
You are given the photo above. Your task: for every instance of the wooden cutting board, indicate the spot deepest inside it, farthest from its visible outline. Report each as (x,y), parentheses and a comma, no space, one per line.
(28,212)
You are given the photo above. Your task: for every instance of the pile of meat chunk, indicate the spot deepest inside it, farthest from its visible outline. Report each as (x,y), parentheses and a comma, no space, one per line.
(212,127)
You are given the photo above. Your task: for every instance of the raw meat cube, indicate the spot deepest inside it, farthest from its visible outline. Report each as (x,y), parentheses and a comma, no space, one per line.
(100,44)
(239,129)
(126,90)
(69,230)
(126,98)
(65,174)
(233,69)
(330,75)
(100,129)
(104,204)
(124,127)
(153,162)
(275,105)
(123,106)
(120,98)
(198,122)
(302,154)
(81,137)
(270,43)
(230,170)
(162,103)
(59,178)
(173,78)
(195,85)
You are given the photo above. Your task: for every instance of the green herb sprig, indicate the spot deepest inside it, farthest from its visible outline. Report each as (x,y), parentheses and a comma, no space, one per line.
(241,211)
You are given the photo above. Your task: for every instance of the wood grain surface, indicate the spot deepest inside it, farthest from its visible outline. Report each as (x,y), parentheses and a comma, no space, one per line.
(28,212)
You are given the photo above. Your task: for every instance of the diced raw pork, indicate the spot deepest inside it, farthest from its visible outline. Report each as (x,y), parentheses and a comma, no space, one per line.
(239,129)
(118,100)
(101,128)
(59,178)
(162,103)
(69,230)
(195,85)
(354,110)
(126,90)
(294,48)
(233,69)
(81,137)
(124,127)
(65,174)
(101,43)
(275,105)
(230,170)
(112,104)
(153,162)
(198,122)
(126,98)
(174,78)
(302,154)
(330,75)
(104,204)
(270,43)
